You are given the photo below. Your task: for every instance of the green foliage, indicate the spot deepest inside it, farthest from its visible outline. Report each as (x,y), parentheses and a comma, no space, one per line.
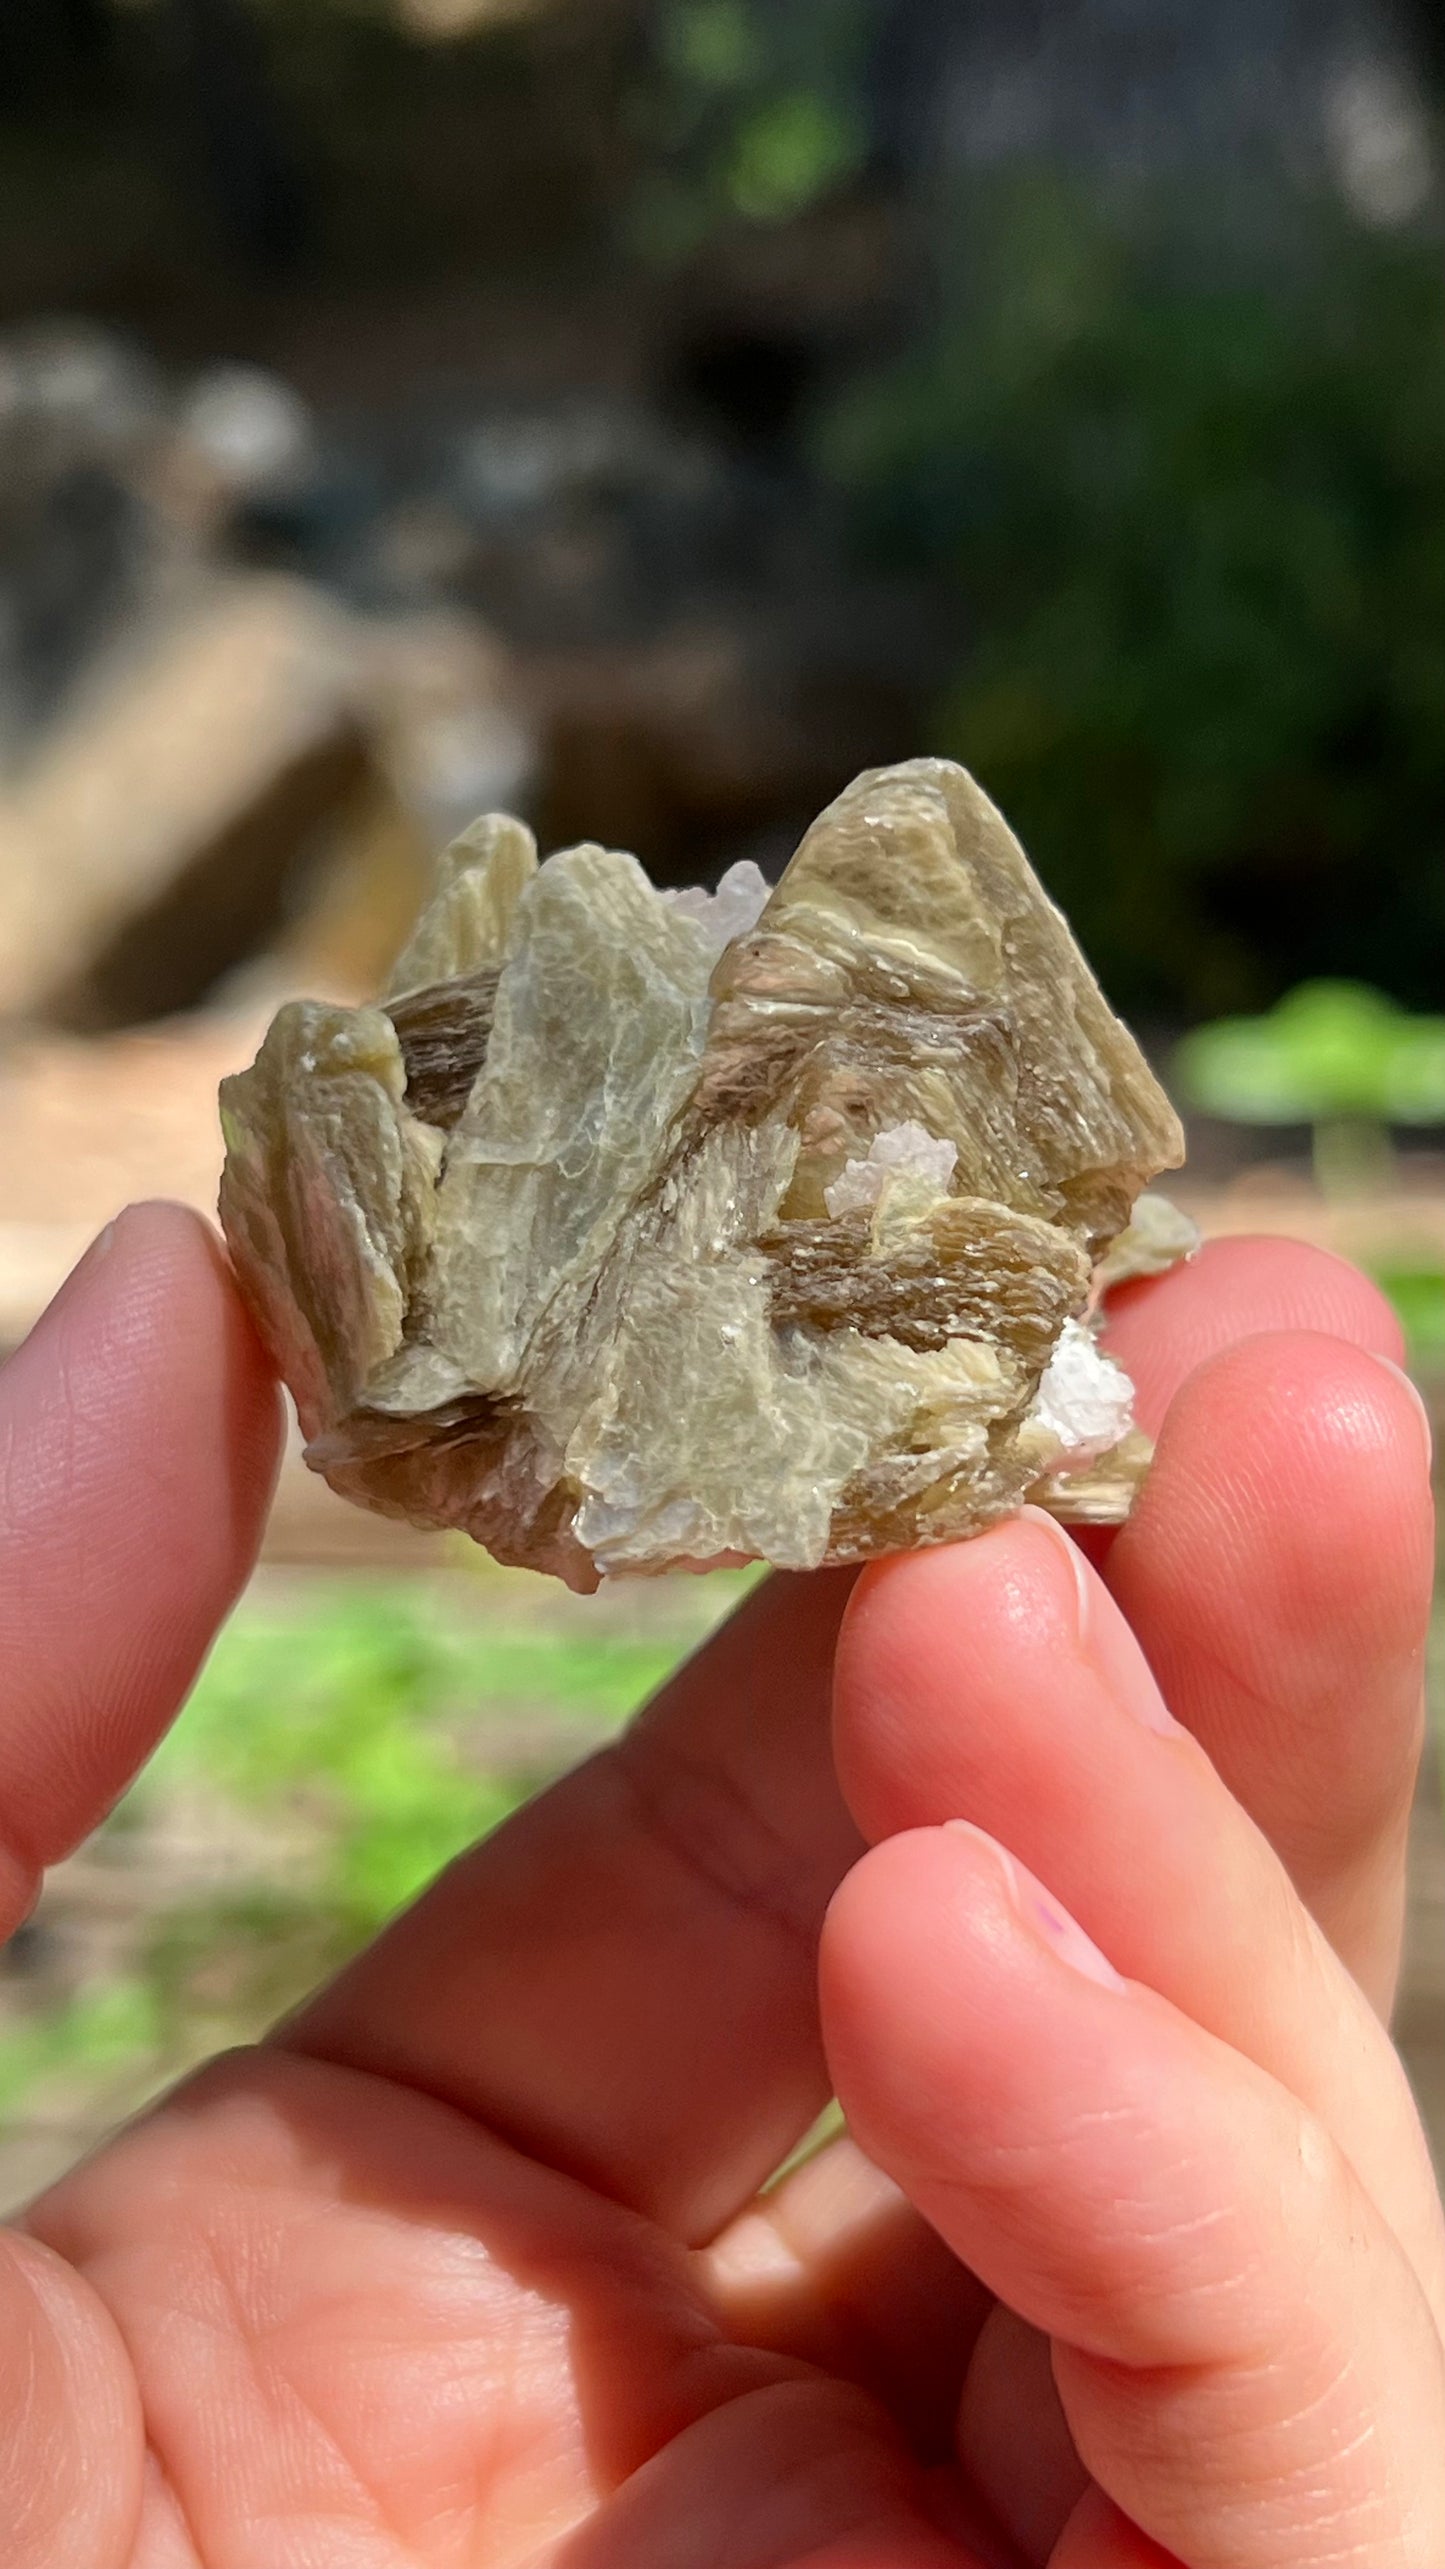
(1330,1048)
(790,152)
(104,2028)
(355,1717)
(714,47)
(339,1752)
(343,1715)
(753,114)
(1196,523)
(1417,1290)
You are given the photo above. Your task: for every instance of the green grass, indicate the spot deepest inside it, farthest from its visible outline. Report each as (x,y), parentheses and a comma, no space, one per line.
(1417,1290)
(107,2027)
(342,1745)
(360,1713)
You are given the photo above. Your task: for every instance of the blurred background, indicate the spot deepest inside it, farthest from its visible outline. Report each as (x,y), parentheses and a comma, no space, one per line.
(644,414)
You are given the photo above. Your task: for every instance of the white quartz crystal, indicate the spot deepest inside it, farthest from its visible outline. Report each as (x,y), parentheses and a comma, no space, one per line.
(729,912)
(900,1151)
(1085,1400)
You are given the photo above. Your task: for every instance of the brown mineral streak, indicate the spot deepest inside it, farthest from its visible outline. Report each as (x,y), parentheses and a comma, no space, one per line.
(967,1272)
(443,1033)
(543,1242)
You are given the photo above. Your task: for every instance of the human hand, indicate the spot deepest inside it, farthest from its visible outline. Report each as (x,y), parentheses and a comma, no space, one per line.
(469,2265)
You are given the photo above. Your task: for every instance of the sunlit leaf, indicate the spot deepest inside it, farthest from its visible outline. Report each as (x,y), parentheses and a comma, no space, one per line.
(791,152)
(1330,1049)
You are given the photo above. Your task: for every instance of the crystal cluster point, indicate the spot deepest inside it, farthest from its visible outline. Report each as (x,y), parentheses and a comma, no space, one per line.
(631,1229)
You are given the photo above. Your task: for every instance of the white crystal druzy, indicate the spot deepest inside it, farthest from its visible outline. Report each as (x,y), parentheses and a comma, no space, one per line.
(1085,1400)
(729,912)
(900,1151)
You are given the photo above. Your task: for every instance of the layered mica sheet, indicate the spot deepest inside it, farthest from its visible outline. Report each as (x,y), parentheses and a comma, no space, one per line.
(631,1229)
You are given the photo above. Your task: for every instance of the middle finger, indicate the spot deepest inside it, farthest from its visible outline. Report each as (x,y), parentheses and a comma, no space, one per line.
(998,1683)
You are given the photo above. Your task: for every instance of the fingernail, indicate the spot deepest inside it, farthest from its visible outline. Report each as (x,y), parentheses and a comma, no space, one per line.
(1427,1428)
(1041,1913)
(1078,1566)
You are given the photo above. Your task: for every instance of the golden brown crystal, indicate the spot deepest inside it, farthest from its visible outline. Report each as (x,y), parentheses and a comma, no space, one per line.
(620,1251)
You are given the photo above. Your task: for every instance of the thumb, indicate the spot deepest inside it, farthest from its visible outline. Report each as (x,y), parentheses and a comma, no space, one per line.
(139,1435)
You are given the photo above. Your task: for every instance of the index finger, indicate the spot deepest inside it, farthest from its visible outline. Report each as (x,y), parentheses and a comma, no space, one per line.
(1164,1330)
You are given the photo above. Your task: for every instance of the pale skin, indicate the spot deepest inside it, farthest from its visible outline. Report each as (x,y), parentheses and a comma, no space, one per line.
(1134,2256)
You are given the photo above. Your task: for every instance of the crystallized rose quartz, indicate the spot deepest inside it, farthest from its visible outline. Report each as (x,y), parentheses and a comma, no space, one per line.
(632,1229)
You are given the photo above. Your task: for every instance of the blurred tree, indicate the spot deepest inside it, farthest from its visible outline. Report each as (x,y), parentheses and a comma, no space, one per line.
(753,113)
(1426,30)
(1257,98)
(759,108)
(1199,525)
(49,48)
(244,161)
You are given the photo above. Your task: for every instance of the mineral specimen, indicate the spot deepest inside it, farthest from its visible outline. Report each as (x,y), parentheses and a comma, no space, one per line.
(631,1229)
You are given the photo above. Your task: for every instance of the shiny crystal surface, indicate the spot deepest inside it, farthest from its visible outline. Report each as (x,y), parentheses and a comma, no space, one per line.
(630,1229)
